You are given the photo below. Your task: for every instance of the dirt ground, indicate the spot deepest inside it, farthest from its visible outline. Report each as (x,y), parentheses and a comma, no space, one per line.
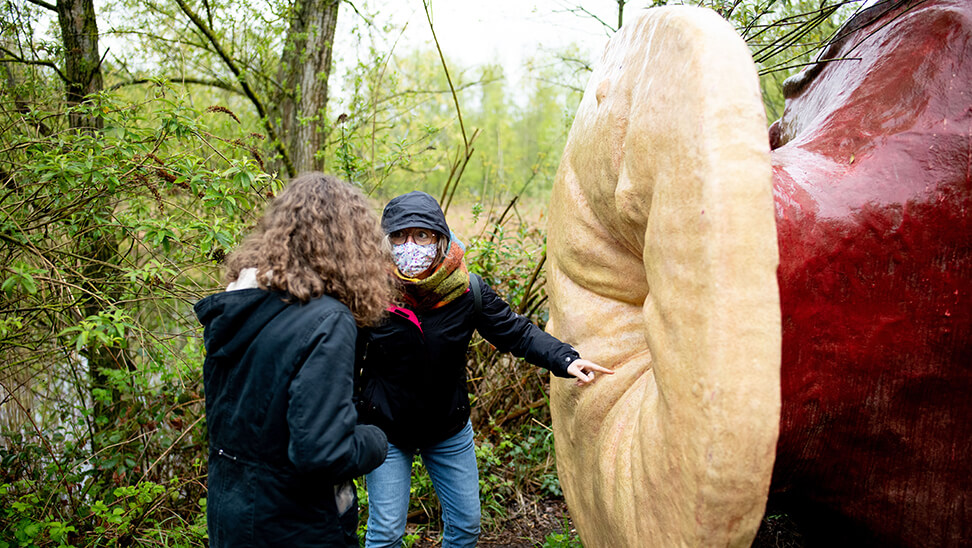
(529,528)
(525,527)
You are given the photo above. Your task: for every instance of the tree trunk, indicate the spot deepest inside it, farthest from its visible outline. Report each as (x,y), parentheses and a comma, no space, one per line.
(304,69)
(82,74)
(82,62)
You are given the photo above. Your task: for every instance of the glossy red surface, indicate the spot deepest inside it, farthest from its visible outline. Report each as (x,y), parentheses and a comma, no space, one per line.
(873,183)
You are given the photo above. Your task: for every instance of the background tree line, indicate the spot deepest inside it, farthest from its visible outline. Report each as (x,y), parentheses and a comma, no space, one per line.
(127,174)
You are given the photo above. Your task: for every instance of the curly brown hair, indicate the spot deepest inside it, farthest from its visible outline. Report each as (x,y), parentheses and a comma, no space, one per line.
(320,236)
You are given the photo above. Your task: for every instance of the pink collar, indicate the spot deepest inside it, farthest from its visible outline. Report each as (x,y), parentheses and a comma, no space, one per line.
(407,314)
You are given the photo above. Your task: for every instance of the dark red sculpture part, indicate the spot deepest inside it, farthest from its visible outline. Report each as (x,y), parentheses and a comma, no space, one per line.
(873,184)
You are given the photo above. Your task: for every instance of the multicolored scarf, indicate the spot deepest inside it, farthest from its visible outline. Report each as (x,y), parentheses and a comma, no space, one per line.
(449,281)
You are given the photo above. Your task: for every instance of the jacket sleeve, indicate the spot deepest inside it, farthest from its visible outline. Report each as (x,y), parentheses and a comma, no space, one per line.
(324,434)
(511,332)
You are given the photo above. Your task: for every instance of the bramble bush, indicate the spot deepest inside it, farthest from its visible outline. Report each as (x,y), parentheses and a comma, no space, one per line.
(106,240)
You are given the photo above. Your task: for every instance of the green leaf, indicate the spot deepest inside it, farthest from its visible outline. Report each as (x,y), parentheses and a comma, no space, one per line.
(22,277)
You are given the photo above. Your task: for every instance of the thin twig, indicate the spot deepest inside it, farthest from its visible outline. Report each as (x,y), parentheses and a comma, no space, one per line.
(171,446)
(241,78)
(529,285)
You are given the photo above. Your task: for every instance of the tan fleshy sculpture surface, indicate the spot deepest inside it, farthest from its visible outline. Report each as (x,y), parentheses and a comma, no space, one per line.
(662,264)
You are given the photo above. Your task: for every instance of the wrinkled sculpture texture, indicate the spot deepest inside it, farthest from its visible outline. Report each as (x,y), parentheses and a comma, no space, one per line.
(663,249)
(662,263)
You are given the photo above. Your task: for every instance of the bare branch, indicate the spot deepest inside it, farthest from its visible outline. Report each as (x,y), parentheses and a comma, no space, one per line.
(15,58)
(45,5)
(248,91)
(364,17)
(786,66)
(458,167)
(41,62)
(564,85)
(582,11)
(445,69)
(417,92)
(198,81)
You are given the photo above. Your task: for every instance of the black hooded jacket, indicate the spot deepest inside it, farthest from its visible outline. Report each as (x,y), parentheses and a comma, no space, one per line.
(282,426)
(413,366)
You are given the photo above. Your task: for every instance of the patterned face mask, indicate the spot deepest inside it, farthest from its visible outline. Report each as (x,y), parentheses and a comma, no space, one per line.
(413,259)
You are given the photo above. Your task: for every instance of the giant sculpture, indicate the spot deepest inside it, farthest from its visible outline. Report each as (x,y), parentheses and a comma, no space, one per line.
(791,323)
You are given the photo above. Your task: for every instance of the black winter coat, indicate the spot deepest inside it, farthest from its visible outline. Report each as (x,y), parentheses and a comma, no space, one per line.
(413,375)
(283,429)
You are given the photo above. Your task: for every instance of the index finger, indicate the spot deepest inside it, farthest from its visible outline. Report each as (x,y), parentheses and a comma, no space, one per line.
(594,367)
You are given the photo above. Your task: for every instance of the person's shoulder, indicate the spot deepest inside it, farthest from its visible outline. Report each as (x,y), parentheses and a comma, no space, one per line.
(325,303)
(318,316)
(313,311)
(328,307)
(489,294)
(239,302)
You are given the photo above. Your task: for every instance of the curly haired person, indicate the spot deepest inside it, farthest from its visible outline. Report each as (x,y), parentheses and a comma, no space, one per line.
(284,439)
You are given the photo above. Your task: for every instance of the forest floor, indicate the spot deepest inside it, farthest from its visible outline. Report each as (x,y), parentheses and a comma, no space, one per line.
(526,527)
(547,519)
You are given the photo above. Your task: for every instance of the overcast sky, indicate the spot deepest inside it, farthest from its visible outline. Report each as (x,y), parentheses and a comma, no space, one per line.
(508,30)
(474,32)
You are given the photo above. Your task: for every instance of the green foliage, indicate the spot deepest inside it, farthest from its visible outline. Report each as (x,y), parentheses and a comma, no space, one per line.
(113,521)
(527,458)
(494,489)
(399,129)
(106,328)
(563,539)
(21,279)
(108,239)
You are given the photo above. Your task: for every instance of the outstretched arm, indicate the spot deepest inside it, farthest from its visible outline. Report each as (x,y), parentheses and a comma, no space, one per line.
(511,332)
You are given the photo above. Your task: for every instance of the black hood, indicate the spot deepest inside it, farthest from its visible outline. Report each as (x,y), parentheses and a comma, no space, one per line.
(415,209)
(232,320)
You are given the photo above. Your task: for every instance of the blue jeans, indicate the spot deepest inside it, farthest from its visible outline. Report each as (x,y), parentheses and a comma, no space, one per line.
(452,466)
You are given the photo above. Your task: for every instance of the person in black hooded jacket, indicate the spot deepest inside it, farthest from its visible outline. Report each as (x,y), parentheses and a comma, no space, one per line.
(284,442)
(412,372)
